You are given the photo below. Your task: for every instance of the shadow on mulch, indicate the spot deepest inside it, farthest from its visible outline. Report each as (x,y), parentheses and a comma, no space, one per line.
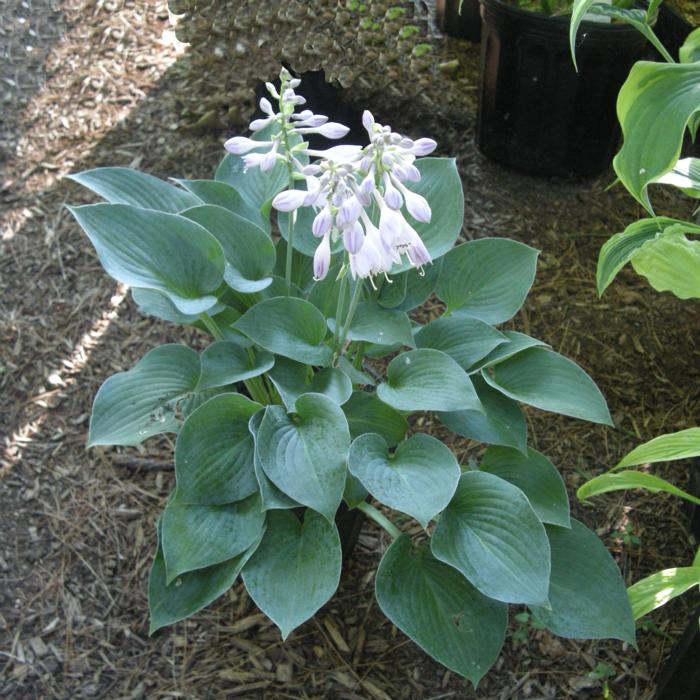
(79,527)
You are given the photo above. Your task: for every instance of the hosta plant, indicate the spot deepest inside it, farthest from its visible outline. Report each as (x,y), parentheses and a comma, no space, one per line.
(657,105)
(303,266)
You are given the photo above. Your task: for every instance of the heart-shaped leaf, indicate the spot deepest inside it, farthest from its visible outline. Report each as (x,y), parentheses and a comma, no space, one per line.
(464,339)
(428,380)
(367,414)
(492,535)
(536,477)
(305,454)
(129,186)
(516,342)
(290,327)
(373,324)
(132,406)
(440,610)
(192,591)
(154,303)
(195,536)
(249,251)
(419,479)
(408,290)
(292,379)
(214,452)
(156,250)
(547,380)
(225,362)
(587,594)
(296,569)
(501,422)
(488,279)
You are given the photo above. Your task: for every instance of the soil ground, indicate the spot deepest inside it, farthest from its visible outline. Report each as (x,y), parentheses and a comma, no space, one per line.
(97,83)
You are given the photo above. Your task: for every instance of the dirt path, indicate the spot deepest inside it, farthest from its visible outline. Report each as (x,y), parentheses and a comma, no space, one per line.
(105,84)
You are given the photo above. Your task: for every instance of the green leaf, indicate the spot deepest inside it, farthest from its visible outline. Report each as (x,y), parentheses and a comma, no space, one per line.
(586,593)
(249,251)
(409,290)
(464,339)
(654,108)
(625,480)
(154,303)
(296,569)
(287,326)
(427,380)
(190,592)
(440,610)
(128,186)
(155,250)
(690,51)
(305,454)
(214,452)
(324,293)
(488,279)
(304,241)
(225,362)
(356,376)
(195,536)
(671,263)
(132,406)
(272,497)
(656,590)
(302,268)
(536,477)
(579,9)
(292,379)
(223,195)
(492,535)
(680,445)
(419,478)
(501,423)
(618,250)
(367,414)
(550,381)
(354,492)
(685,175)
(373,324)
(516,342)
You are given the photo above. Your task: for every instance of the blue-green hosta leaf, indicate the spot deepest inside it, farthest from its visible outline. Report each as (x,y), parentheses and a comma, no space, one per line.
(305,454)
(690,51)
(656,590)
(408,290)
(214,452)
(536,477)
(440,610)
(249,251)
(619,249)
(272,497)
(547,380)
(225,362)
(501,422)
(156,250)
(373,324)
(302,269)
(127,186)
(357,376)
(296,569)
(487,279)
(303,240)
(292,379)
(223,195)
(354,492)
(191,591)
(194,536)
(515,342)
(492,535)
(685,175)
(132,406)
(587,594)
(680,445)
(290,327)
(367,414)
(654,107)
(154,303)
(671,263)
(464,339)
(419,478)
(630,479)
(427,380)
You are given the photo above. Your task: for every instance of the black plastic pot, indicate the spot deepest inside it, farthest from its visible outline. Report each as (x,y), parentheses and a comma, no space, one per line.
(672,29)
(536,113)
(465,24)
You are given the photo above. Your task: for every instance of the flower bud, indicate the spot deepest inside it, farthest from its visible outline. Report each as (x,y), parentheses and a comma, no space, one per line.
(322,258)
(349,212)
(239,145)
(392,196)
(422,147)
(353,238)
(367,120)
(333,130)
(289,200)
(268,161)
(266,107)
(390,225)
(417,206)
(258,124)
(322,223)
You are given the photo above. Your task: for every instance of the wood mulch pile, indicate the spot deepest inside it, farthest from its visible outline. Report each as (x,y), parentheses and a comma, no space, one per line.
(87,83)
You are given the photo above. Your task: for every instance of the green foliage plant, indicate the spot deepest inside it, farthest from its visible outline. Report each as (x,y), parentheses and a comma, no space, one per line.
(658,104)
(301,264)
